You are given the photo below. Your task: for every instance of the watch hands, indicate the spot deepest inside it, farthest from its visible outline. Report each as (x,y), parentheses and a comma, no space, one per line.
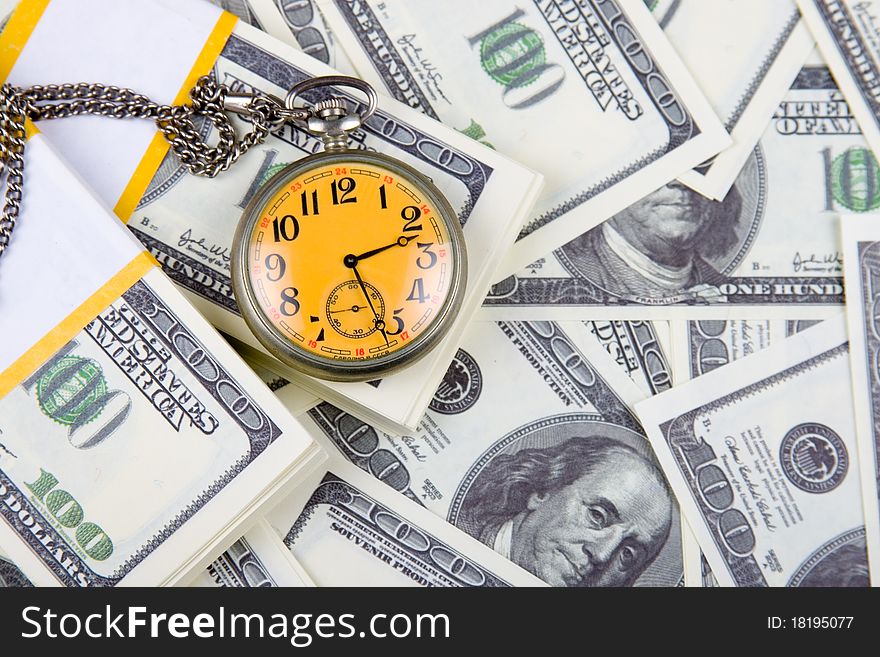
(355,308)
(380,324)
(352,260)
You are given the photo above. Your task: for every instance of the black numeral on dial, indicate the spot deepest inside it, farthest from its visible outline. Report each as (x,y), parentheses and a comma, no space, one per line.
(399,326)
(417,293)
(289,305)
(342,189)
(286,228)
(275,265)
(410,215)
(432,257)
(304,198)
(383,199)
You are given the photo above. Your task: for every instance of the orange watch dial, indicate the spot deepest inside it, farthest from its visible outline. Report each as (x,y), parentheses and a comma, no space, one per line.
(350,261)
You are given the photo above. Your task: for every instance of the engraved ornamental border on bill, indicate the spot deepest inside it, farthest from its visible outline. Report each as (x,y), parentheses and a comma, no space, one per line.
(240,566)
(692,454)
(414,542)
(863,319)
(30,524)
(634,345)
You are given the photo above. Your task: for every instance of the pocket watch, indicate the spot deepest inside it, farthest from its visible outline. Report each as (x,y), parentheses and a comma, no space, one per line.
(347,264)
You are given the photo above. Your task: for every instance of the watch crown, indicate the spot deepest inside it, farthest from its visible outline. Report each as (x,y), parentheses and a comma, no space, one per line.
(330,107)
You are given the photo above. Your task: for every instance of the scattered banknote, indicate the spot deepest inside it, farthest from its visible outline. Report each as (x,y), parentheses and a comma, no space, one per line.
(769,487)
(861,248)
(531,425)
(589,93)
(744,55)
(347,529)
(770,249)
(265,17)
(700,347)
(256,560)
(848,34)
(696,174)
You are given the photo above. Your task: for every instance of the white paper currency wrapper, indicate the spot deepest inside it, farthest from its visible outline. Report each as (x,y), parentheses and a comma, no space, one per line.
(127,54)
(61,223)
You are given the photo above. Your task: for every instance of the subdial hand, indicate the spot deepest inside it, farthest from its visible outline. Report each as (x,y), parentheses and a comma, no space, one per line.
(351,260)
(380,324)
(355,308)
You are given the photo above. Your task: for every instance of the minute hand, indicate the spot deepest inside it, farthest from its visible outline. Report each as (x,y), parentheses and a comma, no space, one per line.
(401,241)
(380,325)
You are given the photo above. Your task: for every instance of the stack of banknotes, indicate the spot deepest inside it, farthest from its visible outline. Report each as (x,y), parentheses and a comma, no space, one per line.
(655,192)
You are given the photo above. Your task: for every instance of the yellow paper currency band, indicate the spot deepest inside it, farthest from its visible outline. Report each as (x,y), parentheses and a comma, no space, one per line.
(158,147)
(30,360)
(17,32)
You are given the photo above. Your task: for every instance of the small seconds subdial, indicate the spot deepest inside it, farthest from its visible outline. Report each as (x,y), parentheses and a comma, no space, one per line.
(356,312)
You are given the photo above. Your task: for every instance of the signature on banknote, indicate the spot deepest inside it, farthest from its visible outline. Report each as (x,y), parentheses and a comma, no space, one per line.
(826,263)
(200,246)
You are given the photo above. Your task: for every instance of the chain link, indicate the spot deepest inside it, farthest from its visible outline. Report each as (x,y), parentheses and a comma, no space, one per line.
(208,100)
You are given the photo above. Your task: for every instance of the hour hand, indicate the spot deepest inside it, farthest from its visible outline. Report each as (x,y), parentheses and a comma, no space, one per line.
(351,261)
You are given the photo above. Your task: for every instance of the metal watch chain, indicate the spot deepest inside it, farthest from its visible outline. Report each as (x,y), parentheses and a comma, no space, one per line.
(328,119)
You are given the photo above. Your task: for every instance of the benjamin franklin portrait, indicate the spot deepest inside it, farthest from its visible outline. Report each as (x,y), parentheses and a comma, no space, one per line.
(672,242)
(589,511)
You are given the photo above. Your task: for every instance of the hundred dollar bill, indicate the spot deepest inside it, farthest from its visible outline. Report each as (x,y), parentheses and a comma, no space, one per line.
(589,93)
(744,55)
(762,457)
(244,11)
(347,529)
(769,250)
(265,17)
(848,34)
(700,347)
(530,446)
(861,248)
(697,573)
(256,560)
